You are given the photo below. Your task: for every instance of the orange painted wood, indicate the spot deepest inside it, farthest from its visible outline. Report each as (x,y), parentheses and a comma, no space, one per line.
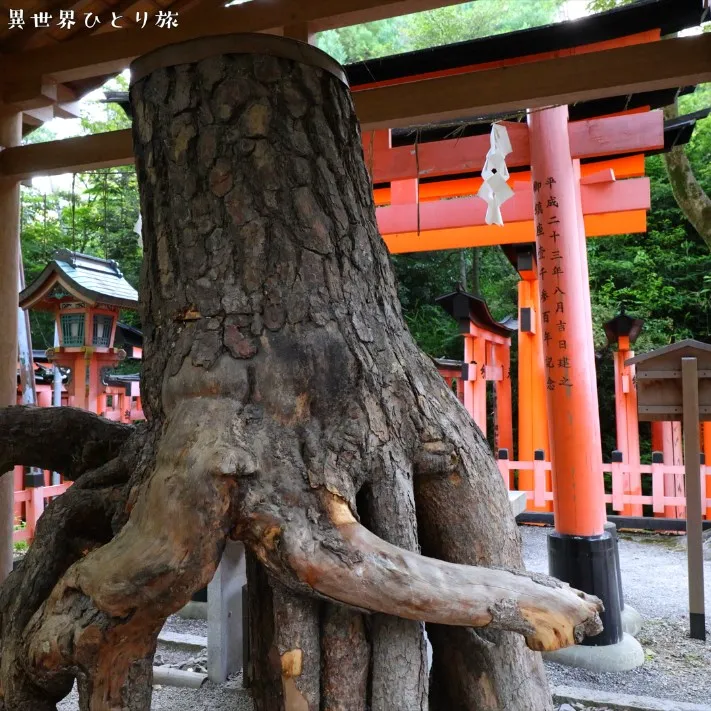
(504,412)
(706,444)
(638,38)
(404,192)
(625,167)
(512,233)
(532,407)
(571,390)
(625,133)
(436,158)
(628,133)
(604,176)
(615,223)
(619,196)
(475,386)
(627,424)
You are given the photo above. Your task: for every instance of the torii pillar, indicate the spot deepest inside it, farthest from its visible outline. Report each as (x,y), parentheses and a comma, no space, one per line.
(532,414)
(622,331)
(581,552)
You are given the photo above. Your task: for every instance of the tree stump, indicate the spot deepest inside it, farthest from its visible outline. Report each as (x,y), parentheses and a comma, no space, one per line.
(288,407)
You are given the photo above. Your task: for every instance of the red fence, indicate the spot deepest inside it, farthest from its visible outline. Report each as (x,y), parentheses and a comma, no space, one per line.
(618,494)
(33,501)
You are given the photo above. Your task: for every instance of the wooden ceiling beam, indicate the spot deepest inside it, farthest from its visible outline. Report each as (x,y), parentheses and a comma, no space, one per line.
(69,155)
(682,61)
(110,53)
(663,64)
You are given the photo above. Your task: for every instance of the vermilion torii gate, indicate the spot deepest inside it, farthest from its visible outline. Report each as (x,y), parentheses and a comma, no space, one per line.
(558,204)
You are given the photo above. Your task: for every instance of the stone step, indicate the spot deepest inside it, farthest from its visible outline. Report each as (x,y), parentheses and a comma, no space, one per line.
(191,641)
(620,702)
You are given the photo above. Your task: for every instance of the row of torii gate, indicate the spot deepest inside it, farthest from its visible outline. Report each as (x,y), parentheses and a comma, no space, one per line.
(556,206)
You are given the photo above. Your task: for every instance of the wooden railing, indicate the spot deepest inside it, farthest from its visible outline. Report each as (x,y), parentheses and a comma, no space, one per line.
(34,499)
(618,495)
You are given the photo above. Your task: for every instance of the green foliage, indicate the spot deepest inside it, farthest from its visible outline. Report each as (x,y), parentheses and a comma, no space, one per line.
(20,546)
(433,28)
(97,217)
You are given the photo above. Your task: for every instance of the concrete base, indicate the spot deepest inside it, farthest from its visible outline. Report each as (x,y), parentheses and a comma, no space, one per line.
(194,611)
(623,656)
(224,614)
(631,620)
(620,702)
(517,499)
(188,641)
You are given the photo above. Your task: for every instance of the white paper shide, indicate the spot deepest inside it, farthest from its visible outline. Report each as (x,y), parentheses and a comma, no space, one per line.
(495,191)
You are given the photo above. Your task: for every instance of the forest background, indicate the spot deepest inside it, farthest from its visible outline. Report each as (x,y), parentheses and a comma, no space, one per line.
(662,276)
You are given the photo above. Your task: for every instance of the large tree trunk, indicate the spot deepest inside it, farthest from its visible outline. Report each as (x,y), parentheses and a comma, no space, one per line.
(288,407)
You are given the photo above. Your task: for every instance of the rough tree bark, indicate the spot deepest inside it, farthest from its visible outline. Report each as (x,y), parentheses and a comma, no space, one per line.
(689,195)
(288,407)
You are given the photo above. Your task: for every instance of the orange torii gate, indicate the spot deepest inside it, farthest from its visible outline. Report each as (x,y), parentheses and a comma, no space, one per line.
(416,217)
(554,208)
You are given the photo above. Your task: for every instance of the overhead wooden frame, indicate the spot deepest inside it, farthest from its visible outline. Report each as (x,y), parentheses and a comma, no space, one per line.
(110,53)
(589,138)
(565,80)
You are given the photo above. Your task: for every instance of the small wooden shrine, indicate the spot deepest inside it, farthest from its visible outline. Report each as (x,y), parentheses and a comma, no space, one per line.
(85,294)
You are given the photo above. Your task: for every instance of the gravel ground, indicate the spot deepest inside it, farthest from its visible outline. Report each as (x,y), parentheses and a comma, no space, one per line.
(654,581)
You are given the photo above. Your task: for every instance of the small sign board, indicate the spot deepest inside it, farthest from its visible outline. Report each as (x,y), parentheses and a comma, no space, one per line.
(659,383)
(674,383)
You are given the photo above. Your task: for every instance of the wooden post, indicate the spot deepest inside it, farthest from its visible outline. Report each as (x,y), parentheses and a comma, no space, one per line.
(581,551)
(694,532)
(504,415)
(667,438)
(569,358)
(24,341)
(707,452)
(627,422)
(10,135)
(474,381)
(532,408)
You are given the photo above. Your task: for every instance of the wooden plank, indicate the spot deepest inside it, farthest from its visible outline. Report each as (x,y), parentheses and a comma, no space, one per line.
(512,233)
(449,157)
(625,70)
(589,138)
(102,150)
(627,167)
(638,38)
(603,176)
(112,52)
(630,133)
(435,159)
(618,197)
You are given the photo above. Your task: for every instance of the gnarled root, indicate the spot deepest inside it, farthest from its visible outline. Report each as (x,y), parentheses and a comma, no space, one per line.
(343,561)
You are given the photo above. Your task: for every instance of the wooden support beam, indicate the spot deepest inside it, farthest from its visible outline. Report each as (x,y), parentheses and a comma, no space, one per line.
(102,150)
(10,135)
(590,138)
(597,199)
(600,171)
(611,223)
(628,133)
(113,51)
(624,70)
(463,155)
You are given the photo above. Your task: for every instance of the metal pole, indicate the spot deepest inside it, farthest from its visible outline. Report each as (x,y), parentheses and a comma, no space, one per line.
(694,531)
